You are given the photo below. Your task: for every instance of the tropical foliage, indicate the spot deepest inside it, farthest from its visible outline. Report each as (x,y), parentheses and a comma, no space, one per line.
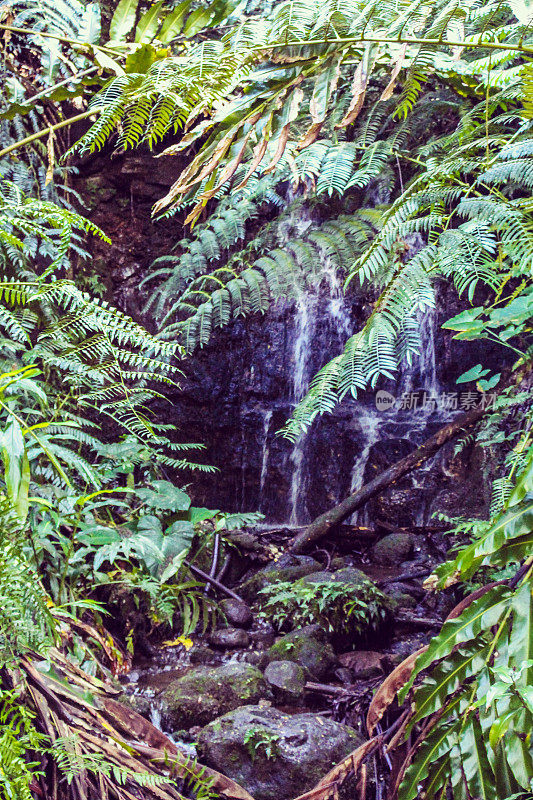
(406,128)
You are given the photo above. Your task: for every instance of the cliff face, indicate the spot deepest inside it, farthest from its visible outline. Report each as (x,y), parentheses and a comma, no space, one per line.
(239,390)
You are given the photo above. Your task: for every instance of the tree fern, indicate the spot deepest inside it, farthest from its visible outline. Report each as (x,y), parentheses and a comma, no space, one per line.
(215,298)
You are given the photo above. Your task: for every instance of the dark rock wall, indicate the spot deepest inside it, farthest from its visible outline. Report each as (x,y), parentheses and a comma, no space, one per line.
(240,389)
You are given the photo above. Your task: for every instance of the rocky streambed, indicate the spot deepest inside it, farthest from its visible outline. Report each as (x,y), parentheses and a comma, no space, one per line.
(273,703)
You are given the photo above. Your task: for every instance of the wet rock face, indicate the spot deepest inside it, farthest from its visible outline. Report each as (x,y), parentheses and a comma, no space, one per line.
(307,647)
(240,389)
(273,754)
(205,693)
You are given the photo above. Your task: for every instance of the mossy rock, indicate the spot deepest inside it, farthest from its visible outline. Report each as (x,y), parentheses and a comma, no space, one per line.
(307,647)
(205,693)
(286,568)
(393,549)
(275,755)
(286,679)
(137,702)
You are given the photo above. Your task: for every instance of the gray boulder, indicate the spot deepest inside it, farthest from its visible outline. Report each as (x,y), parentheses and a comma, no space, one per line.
(286,679)
(207,692)
(308,647)
(237,613)
(273,754)
(228,638)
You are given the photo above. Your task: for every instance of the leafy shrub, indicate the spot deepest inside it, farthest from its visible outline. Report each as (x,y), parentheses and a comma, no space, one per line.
(337,607)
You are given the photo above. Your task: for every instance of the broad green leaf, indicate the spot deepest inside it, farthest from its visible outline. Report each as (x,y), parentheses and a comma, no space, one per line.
(141,59)
(165,496)
(12,453)
(475,763)
(524,483)
(521,636)
(472,374)
(485,386)
(149,23)
(123,20)
(173,24)
(436,747)
(150,524)
(446,679)
(479,617)
(108,63)
(463,321)
(22,500)
(197,21)
(201,514)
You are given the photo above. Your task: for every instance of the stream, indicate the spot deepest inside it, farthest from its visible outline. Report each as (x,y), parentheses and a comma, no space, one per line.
(273,702)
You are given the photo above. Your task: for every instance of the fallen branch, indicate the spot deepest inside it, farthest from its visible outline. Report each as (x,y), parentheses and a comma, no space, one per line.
(322,524)
(213,581)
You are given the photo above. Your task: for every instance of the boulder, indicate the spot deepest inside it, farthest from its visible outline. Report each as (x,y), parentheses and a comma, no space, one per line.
(307,647)
(348,575)
(137,702)
(237,613)
(229,638)
(286,679)
(403,595)
(363,663)
(286,568)
(273,754)
(207,692)
(345,629)
(393,549)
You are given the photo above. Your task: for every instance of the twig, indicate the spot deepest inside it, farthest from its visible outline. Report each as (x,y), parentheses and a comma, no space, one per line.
(46,131)
(405,576)
(213,581)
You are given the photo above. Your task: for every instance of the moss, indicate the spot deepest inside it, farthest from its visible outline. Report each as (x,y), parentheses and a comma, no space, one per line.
(308,647)
(206,692)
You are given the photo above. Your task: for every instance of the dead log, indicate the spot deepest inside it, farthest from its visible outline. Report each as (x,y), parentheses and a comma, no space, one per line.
(322,524)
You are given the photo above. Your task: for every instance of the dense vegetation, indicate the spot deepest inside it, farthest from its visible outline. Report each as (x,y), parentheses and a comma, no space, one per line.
(415,119)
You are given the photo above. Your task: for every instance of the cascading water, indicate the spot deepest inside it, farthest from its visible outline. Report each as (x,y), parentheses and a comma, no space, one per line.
(266,451)
(370,422)
(328,310)
(263,368)
(305,324)
(416,404)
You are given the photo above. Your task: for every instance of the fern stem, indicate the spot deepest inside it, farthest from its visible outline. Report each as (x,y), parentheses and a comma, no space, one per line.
(518,48)
(59,38)
(46,131)
(64,82)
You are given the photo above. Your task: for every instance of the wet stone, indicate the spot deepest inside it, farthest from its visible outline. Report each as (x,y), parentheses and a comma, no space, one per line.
(362,663)
(275,755)
(307,647)
(393,549)
(229,638)
(237,613)
(286,679)
(207,692)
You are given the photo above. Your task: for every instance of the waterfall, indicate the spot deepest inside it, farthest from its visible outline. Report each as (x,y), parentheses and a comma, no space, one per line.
(327,309)
(370,422)
(266,450)
(305,327)
(337,311)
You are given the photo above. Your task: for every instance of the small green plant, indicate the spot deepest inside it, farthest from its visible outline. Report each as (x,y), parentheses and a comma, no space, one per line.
(337,607)
(257,739)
